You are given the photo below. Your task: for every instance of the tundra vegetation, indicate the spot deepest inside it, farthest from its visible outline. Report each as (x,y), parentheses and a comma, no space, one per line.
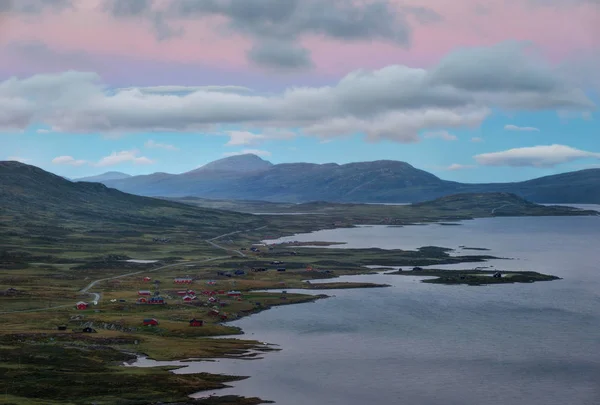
(64,242)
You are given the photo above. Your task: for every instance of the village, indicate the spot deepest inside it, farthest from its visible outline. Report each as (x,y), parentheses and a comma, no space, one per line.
(210,296)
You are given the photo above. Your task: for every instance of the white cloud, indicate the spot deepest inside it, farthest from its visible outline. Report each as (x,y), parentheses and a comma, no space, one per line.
(18,159)
(256,152)
(511,127)
(238,138)
(154,145)
(43,131)
(476,139)
(445,135)
(457,166)
(124,156)
(247,138)
(68,160)
(535,156)
(393,103)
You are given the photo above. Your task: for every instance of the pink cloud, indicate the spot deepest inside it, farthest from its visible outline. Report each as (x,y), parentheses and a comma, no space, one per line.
(560,32)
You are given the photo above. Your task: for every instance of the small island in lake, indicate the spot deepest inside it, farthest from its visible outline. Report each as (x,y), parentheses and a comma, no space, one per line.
(476,277)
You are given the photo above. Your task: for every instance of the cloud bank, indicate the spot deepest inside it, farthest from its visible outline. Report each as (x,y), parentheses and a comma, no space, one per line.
(535,156)
(393,103)
(276,26)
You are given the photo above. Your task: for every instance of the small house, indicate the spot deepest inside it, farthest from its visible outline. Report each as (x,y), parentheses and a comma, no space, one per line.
(212,299)
(196,322)
(150,322)
(182,293)
(188,298)
(142,300)
(239,272)
(211,282)
(144,292)
(497,275)
(81,305)
(156,300)
(234,293)
(281,269)
(223,317)
(221,292)
(183,280)
(258,269)
(89,330)
(213,312)
(62,327)
(146,279)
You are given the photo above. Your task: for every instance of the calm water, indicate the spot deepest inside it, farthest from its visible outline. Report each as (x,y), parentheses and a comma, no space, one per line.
(420,344)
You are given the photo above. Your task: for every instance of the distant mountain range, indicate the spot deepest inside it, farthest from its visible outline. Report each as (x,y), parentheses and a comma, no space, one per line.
(104,177)
(248,177)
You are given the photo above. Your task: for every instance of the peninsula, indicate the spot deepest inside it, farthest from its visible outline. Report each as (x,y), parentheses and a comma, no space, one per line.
(91,277)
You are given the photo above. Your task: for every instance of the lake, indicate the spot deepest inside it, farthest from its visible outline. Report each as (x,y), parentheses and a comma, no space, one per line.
(426,344)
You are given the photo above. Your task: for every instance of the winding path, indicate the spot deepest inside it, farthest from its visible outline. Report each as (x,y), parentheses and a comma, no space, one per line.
(98,296)
(502,206)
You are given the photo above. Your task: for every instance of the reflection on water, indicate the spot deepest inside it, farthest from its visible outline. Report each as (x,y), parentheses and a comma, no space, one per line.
(424,344)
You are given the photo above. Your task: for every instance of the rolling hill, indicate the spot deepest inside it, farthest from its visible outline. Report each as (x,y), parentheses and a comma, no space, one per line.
(37,207)
(248,177)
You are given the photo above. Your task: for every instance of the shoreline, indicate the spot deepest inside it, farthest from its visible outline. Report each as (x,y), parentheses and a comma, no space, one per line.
(232,345)
(253,353)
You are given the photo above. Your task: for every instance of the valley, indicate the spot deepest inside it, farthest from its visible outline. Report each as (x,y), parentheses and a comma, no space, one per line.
(80,264)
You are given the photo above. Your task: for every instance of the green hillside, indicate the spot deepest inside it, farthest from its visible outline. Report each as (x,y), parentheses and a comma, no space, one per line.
(55,215)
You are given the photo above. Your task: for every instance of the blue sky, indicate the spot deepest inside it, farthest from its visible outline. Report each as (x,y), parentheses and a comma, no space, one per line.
(433,84)
(191,150)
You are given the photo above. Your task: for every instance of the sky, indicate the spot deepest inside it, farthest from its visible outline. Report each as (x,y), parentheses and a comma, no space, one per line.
(470,90)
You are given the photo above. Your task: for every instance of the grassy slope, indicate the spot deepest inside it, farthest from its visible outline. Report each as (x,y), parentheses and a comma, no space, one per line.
(41,209)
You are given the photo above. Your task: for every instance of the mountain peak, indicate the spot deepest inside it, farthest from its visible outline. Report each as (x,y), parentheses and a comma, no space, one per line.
(247,162)
(105,177)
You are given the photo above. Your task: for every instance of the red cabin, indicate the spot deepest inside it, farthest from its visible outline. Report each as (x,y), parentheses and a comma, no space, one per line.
(196,322)
(147,279)
(234,294)
(144,292)
(183,280)
(142,300)
(213,312)
(182,293)
(81,305)
(150,322)
(221,292)
(188,298)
